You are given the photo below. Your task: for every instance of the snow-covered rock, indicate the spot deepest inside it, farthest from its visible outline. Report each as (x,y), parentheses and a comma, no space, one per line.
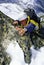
(14,11)
(16,54)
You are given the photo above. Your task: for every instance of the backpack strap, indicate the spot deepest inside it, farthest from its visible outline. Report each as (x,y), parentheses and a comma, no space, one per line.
(31,21)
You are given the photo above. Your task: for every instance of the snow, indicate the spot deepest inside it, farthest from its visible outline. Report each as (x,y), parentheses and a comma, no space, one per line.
(14,11)
(16,54)
(39,59)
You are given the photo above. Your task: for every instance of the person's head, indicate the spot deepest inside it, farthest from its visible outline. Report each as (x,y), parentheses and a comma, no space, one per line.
(23,19)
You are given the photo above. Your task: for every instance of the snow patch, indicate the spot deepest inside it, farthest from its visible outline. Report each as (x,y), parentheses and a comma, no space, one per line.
(14,11)
(39,59)
(16,54)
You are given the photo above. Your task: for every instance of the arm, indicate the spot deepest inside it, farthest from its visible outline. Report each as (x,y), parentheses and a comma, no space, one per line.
(30,27)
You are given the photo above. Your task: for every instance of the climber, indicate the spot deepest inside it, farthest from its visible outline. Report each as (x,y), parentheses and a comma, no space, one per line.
(28,20)
(27,23)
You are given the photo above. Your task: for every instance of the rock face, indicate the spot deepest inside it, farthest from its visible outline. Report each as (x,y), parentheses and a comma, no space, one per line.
(8,33)
(4,39)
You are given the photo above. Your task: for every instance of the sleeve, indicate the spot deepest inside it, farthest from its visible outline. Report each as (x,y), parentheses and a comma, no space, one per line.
(30,27)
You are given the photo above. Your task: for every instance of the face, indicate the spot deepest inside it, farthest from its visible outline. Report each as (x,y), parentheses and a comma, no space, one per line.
(24,22)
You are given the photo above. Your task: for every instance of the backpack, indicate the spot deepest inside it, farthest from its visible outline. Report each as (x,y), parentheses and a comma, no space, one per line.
(32,14)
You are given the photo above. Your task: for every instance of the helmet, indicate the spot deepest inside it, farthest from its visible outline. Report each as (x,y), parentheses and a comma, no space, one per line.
(23,16)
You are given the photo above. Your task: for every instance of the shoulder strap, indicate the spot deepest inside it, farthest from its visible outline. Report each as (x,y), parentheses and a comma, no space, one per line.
(32,21)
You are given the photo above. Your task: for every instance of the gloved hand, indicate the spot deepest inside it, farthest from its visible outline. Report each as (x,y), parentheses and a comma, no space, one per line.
(15,22)
(21,31)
